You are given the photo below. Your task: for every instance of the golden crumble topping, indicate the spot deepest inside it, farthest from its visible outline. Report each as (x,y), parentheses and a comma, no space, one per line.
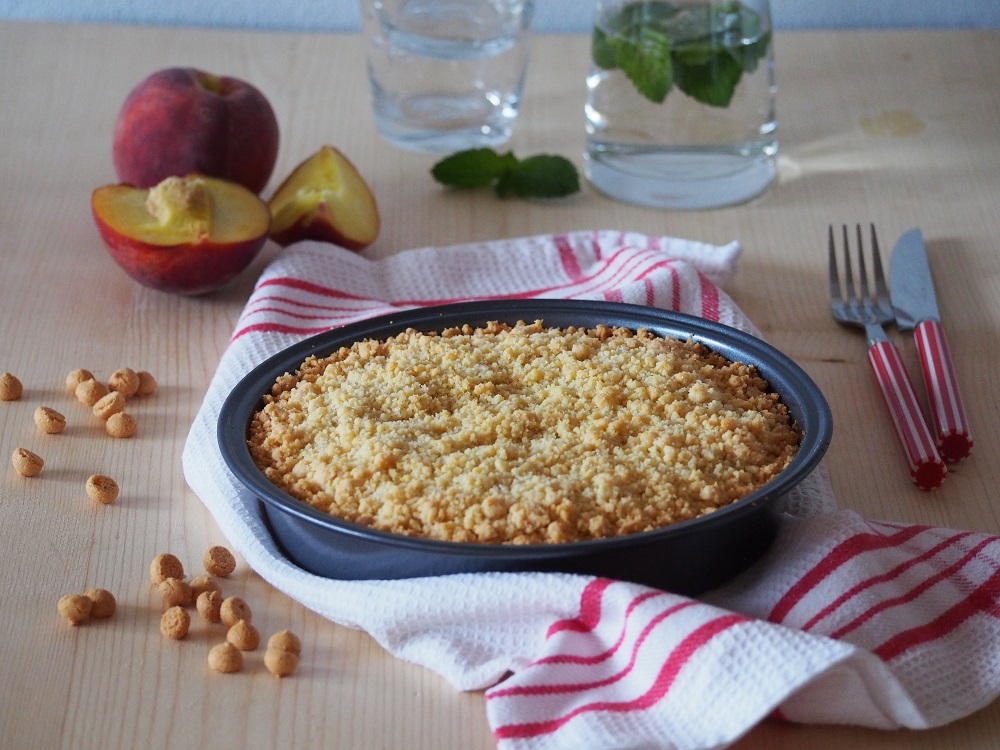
(521,434)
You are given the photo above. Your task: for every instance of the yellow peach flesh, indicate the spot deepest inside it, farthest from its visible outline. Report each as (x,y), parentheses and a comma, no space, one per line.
(325,185)
(184,211)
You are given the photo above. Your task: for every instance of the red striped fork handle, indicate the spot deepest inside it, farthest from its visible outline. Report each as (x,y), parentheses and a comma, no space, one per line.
(950,422)
(926,466)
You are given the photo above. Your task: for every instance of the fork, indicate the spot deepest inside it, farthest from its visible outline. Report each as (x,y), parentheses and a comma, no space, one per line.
(869,308)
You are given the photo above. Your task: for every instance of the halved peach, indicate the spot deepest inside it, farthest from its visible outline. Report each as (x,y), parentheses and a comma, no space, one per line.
(326,199)
(187,235)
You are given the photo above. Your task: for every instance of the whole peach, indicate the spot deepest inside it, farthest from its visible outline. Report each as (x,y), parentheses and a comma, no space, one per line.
(179,121)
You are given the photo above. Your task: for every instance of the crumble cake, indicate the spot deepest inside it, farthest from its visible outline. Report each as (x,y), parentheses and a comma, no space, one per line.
(521,434)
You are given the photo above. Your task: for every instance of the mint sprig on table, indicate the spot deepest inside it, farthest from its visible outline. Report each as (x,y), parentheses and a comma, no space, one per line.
(658,45)
(539,176)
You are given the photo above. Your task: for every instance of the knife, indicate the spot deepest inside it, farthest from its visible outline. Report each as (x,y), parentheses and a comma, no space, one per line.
(915,304)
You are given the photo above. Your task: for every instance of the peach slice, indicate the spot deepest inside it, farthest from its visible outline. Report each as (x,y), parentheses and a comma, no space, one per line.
(325,199)
(187,235)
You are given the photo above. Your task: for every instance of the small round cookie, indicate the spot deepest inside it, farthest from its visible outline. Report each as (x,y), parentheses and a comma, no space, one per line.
(225,658)
(121,425)
(103,601)
(165,566)
(102,489)
(10,387)
(109,404)
(209,605)
(175,623)
(233,610)
(125,381)
(26,463)
(285,640)
(175,593)
(77,376)
(244,636)
(219,561)
(75,608)
(280,663)
(147,384)
(200,584)
(90,391)
(49,421)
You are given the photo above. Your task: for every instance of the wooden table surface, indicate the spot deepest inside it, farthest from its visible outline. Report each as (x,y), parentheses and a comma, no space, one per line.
(897,128)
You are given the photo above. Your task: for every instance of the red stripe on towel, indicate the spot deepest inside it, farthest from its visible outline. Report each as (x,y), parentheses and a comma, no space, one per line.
(982,600)
(566,658)
(296,315)
(618,272)
(675,290)
(841,554)
(556,688)
(567,257)
(590,609)
(882,578)
(293,282)
(709,299)
(913,593)
(678,658)
(277,328)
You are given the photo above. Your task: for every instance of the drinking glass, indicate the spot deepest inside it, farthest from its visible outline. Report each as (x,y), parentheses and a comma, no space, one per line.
(680,108)
(446,75)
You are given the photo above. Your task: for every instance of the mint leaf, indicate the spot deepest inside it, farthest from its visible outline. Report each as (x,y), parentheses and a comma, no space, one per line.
(623,30)
(713,82)
(602,50)
(473,168)
(647,63)
(635,40)
(543,176)
(540,176)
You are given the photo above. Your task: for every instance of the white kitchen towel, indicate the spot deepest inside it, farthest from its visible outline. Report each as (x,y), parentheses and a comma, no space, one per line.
(845,620)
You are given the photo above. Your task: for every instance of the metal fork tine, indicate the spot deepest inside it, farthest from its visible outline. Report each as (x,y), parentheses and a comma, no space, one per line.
(881,288)
(848,272)
(852,299)
(835,295)
(866,297)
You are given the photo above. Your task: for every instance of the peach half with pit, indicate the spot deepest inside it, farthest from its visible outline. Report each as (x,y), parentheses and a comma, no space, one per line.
(179,121)
(325,198)
(187,235)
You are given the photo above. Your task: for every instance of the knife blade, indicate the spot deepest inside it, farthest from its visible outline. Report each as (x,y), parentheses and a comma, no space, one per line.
(914,301)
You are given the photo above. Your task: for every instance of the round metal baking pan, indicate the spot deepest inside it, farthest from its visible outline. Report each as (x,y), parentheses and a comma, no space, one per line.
(687,558)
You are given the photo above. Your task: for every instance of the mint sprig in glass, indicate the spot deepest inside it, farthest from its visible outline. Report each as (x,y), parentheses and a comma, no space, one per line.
(701,49)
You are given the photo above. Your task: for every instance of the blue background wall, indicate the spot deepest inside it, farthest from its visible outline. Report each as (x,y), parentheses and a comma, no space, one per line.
(551,15)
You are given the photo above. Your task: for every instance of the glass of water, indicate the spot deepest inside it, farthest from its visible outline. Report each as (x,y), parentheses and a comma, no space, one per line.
(446,75)
(680,109)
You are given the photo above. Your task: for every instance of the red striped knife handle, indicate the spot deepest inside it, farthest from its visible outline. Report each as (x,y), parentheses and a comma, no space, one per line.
(926,466)
(950,421)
